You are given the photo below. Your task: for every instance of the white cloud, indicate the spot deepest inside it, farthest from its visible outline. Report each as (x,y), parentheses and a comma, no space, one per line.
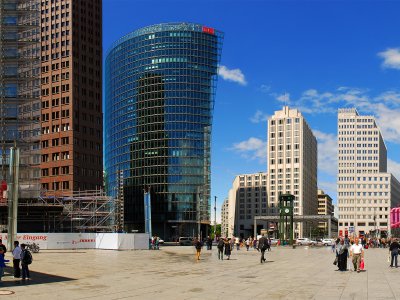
(284,98)
(253,148)
(384,106)
(235,75)
(327,152)
(394,168)
(259,117)
(265,88)
(391,58)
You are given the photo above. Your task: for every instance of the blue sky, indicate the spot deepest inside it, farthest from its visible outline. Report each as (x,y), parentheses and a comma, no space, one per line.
(323,54)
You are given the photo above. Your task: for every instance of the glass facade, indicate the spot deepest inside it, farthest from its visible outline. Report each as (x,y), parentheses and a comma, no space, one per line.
(20,92)
(160,91)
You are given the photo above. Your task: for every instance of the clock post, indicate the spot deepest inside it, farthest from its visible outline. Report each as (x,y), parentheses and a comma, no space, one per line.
(286,218)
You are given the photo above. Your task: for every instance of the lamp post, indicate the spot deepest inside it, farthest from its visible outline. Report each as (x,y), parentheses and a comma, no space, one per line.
(215,218)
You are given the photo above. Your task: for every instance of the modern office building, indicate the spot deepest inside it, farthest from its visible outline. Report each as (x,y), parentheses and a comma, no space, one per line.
(292,165)
(160,92)
(71,91)
(325,207)
(366,192)
(225,218)
(20,92)
(247,199)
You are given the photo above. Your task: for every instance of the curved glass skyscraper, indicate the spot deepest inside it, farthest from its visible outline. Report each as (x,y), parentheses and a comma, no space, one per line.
(160,91)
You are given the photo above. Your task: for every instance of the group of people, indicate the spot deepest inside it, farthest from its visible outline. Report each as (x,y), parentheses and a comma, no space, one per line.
(155,243)
(225,246)
(349,248)
(354,248)
(22,258)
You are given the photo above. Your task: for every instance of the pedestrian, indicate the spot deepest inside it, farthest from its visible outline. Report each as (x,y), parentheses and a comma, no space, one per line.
(394,251)
(269,244)
(197,245)
(341,255)
(26,260)
(3,248)
(16,259)
(209,243)
(228,249)
(220,246)
(357,253)
(237,243)
(262,246)
(255,244)
(157,242)
(248,244)
(2,262)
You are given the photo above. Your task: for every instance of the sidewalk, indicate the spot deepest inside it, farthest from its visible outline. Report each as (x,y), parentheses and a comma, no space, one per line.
(173,273)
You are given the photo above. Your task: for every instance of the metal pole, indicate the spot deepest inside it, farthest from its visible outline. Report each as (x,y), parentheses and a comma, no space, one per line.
(215,218)
(13,197)
(198,216)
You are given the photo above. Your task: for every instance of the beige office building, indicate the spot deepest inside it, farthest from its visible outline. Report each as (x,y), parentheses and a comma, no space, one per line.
(292,165)
(325,207)
(366,192)
(247,199)
(224,218)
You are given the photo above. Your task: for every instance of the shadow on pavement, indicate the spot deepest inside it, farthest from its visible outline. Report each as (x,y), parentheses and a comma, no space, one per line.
(37,278)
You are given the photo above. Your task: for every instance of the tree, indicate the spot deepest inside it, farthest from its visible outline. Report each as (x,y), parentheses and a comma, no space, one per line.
(218,231)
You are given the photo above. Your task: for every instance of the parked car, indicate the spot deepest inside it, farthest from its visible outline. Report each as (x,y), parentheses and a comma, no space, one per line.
(274,241)
(327,242)
(305,241)
(185,241)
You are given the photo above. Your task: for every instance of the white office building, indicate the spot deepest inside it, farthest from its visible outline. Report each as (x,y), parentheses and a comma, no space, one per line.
(292,165)
(247,199)
(225,218)
(366,192)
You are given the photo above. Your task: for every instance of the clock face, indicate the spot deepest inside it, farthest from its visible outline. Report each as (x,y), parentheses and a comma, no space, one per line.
(286,210)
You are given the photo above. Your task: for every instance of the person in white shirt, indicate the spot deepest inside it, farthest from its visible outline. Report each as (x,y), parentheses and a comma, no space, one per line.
(16,259)
(357,253)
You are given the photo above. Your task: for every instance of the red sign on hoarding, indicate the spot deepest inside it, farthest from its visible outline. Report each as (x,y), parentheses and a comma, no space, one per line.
(208,30)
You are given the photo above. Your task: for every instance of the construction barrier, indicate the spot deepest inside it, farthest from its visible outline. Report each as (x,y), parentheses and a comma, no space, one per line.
(112,241)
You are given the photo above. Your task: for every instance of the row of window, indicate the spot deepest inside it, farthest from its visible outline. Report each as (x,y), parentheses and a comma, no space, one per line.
(282,121)
(371,217)
(363,224)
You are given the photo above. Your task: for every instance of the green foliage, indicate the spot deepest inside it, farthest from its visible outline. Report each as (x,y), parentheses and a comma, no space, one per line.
(212,231)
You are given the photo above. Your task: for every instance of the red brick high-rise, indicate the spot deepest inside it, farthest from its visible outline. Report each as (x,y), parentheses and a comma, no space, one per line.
(71,89)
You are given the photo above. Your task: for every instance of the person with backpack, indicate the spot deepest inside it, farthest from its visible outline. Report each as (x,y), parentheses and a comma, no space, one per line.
(262,246)
(2,263)
(2,248)
(220,247)
(198,246)
(26,260)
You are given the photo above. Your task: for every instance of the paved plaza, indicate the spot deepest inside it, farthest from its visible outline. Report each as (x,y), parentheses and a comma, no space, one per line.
(173,273)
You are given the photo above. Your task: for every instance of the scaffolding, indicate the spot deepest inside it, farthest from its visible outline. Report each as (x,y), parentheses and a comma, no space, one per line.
(20,91)
(86,211)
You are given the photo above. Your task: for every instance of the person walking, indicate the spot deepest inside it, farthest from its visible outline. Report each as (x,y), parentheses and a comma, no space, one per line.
(197,245)
(26,260)
(228,249)
(220,246)
(341,254)
(237,243)
(248,244)
(2,263)
(3,248)
(262,246)
(394,251)
(255,243)
(16,253)
(357,254)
